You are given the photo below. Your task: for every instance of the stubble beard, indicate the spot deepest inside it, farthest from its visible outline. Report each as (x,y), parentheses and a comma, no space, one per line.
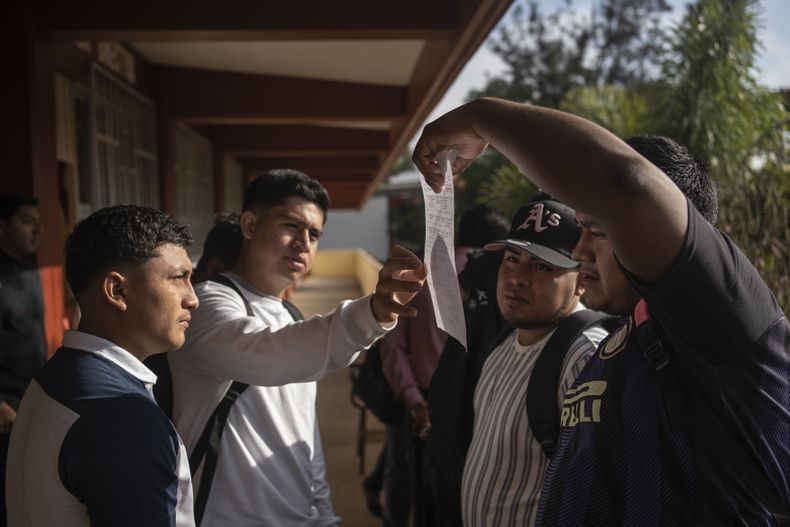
(555,318)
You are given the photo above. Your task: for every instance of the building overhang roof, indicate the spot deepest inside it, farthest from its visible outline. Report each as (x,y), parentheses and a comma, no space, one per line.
(336,89)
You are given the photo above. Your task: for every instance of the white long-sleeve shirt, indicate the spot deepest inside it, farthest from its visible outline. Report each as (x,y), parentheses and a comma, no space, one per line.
(271,467)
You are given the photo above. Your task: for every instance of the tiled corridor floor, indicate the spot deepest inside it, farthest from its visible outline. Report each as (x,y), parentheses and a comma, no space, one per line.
(337,418)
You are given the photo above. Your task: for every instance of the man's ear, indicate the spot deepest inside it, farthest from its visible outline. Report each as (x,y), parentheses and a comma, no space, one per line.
(248,221)
(579,286)
(113,290)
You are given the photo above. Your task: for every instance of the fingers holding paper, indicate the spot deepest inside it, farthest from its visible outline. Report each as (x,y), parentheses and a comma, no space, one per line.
(401,277)
(453,131)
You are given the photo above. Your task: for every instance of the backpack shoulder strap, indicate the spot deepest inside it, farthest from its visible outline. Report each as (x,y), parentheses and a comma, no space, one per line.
(207,447)
(293,310)
(227,282)
(542,412)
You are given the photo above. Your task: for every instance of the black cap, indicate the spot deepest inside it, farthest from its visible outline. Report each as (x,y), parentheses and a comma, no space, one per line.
(546,229)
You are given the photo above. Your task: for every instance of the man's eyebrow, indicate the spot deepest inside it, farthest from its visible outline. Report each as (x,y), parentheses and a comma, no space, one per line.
(179,269)
(301,221)
(293,217)
(587,224)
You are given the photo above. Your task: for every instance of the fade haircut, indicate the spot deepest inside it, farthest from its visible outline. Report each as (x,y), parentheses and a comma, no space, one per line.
(115,236)
(10,204)
(480,225)
(274,187)
(223,241)
(685,170)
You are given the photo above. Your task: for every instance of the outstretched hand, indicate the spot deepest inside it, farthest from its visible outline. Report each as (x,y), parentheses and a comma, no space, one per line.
(454,130)
(401,277)
(7,417)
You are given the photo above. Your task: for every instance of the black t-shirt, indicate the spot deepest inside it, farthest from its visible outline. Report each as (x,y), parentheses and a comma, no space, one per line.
(619,462)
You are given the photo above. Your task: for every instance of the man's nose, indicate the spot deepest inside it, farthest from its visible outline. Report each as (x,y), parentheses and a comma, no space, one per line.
(521,279)
(302,240)
(581,250)
(191,301)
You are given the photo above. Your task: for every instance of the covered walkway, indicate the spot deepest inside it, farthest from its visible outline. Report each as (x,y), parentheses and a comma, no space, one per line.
(338,419)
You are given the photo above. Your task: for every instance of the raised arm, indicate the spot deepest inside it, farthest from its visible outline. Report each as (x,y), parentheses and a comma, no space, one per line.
(578,162)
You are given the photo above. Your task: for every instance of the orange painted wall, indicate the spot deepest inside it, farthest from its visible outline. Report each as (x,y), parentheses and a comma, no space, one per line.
(52,287)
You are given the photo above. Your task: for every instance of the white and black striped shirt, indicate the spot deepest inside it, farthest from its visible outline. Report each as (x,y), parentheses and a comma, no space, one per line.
(505,465)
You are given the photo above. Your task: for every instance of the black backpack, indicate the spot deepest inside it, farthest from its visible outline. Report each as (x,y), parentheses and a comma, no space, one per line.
(542,412)
(371,388)
(452,390)
(207,448)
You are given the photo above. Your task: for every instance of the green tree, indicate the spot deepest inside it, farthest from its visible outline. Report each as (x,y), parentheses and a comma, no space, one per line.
(623,112)
(551,57)
(507,190)
(548,55)
(715,105)
(709,98)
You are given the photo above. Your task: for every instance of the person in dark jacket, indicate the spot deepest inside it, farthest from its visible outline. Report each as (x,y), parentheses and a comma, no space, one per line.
(23,347)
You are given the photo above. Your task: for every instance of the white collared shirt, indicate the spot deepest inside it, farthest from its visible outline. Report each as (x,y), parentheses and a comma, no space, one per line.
(90,445)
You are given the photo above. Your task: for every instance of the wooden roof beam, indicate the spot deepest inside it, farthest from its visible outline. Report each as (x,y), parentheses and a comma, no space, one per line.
(439,65)
(314,165)
(298,140)
(214,97)
(345,195)
(186,20)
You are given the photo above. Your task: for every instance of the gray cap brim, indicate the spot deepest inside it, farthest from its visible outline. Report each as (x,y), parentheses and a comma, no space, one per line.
(544,253)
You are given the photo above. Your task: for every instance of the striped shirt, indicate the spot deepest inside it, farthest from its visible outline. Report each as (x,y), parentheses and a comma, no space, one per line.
(505,465)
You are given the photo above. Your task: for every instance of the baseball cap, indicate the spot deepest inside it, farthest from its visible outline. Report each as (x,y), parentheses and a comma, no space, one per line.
(546,229)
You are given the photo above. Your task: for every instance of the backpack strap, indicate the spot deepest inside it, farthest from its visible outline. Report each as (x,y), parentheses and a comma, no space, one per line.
(207,446)
(293,310)
(542,412)
(739,462)
(227,282)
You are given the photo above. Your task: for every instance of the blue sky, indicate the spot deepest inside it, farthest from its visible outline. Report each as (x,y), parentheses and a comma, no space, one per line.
(773,63)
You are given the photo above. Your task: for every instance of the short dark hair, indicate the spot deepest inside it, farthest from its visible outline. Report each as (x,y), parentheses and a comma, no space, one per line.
(273,187)
(685,169)
(10,203)
(118,235)
(223,241)
(480,225)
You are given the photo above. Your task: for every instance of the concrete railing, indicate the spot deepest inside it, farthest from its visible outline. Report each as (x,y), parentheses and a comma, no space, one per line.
(348,263)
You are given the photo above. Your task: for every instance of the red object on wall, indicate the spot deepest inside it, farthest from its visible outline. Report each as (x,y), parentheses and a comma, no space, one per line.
(52,288)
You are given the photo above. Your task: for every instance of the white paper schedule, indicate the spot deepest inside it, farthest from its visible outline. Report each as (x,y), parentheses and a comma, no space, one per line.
(440,253)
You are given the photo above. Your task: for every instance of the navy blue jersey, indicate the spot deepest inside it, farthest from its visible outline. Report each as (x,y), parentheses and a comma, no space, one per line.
(90,445)
(619,460)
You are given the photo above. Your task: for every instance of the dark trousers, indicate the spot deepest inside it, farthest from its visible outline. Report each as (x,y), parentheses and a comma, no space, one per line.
(3,462)
(424,513)
(397,478)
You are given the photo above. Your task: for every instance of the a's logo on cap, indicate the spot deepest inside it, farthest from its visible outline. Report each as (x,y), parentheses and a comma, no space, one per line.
(536,216)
